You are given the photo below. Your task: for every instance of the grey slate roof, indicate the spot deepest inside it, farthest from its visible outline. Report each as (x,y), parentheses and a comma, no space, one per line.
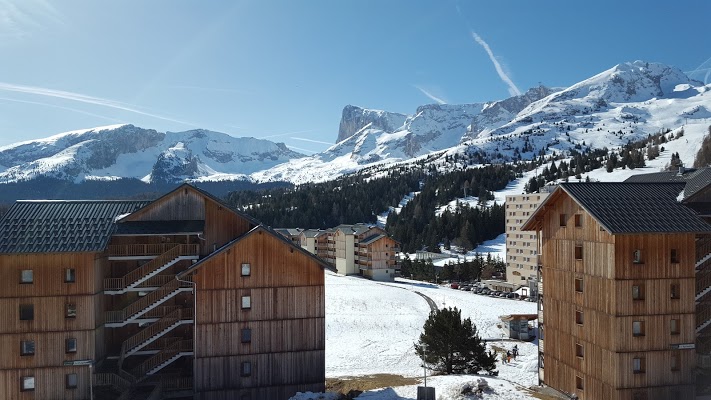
(159,227)
(372,238)
(695,179)
(61,226)
(628,207)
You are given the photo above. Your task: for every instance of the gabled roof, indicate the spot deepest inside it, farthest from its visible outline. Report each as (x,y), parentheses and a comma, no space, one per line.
(696,179)
(56,226)
(372,238)
(629,208)
(204,193)
(262,228)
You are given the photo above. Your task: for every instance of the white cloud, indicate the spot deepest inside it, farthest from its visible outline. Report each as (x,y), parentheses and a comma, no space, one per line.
(513,90)
(430,95)
(82,98)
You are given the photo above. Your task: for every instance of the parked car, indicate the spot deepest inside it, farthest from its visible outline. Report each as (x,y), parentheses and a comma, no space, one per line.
(454,285)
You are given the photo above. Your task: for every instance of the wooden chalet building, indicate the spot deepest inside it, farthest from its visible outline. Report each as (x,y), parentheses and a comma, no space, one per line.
(179,294)
(617,311)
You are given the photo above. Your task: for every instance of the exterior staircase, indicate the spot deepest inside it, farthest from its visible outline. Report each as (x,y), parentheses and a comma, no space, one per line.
(119,318)
(163,358)
(703,284)
(155,331)
(133,279)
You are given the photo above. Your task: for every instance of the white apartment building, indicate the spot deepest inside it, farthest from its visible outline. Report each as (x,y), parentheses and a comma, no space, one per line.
(521,255)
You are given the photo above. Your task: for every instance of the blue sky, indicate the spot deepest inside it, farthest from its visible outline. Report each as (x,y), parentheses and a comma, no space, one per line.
(284,70)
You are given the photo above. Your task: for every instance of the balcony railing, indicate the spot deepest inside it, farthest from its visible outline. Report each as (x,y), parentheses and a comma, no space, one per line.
(138,250)
(141,306)
(703,247)
(183,346)
(134,342)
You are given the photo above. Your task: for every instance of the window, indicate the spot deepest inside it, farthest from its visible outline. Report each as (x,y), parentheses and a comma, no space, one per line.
(675,363)
(27,312)
(578,252)
(674,290)
(674,256)
(579,382)
(70,310)
(246,302)
(579,350)
(27,383)
(638,365)
(246,368)
(579,285)
(246,335)
(563,219)
(246,269)
(578,220)
(27,347)
(26,276)
(675,326)
(637,292)
(71,381)
(638,328)
(70,275)
(637,256)
(578,317)
(70,345)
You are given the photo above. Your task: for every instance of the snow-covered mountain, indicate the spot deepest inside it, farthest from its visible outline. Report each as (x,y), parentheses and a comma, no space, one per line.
(625,103)
(127,151)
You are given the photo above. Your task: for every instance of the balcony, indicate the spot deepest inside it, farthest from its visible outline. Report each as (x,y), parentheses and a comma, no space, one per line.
(540,316)
(126,251)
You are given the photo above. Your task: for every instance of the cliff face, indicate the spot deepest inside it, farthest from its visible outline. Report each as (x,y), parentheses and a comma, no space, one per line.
(355,118)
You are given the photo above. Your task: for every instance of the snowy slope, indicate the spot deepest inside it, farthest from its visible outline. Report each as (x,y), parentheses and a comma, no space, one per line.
(127,151)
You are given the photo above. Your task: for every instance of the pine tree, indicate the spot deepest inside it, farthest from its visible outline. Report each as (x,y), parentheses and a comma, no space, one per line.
(451,345)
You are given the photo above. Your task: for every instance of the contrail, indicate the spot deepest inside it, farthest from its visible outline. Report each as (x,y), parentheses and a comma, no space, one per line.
(301,149)
(513,90)
(60,107)
(430,95)
(82,98)
(312,141)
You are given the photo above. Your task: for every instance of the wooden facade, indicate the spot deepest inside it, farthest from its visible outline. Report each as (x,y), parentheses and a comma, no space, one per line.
(618,312)
(129,309)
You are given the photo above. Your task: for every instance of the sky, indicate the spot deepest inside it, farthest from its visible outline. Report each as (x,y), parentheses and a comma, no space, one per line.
(284,70)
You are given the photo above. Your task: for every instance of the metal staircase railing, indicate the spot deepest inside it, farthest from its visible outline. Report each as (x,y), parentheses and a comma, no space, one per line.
(163,358)
(151,268)
(154,332)
(147,302)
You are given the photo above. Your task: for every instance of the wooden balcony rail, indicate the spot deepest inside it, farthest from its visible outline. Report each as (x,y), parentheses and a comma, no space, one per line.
(154,329)
(137,274)
(135,308)
(161,344)
(161,311)
(703,247)
(134,250)
(156,281)
(176,383)
(163,356)
(111,379)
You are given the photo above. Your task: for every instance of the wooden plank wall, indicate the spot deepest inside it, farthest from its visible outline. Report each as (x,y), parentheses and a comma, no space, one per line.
(287,319)
(655,250)
(49,384)
(48,271)
(183,204)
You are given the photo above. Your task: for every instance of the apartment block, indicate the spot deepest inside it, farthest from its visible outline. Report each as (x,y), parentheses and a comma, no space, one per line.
(521,246)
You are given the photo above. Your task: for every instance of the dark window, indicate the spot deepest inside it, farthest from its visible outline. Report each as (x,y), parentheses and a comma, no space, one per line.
(246,368)
(70,345)
(675,363)
(638,365)
(27,347)
(246,335)
(578,317)
(579,285)
(578,220)
(563,219)
(579,350)
(70,310)
(675,326)
(674,256)
(27,276)
(579,382)
(637,292)
(578,252)
(674,290)
(71,381)
(638,328)
(27,383)
(246,269)
(637,257)
(70,275)
(27,312)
